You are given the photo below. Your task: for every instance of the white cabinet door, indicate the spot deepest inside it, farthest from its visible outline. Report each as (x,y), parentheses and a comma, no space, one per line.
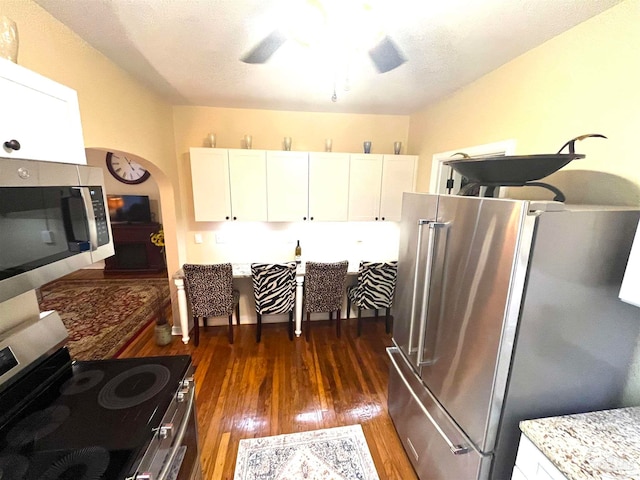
(532,464)
(365,177)
(398,176)
(210,182)
(287,186)
(248,180)
(41,115)
(328,187)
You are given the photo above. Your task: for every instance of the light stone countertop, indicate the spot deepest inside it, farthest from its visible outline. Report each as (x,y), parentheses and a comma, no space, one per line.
(603,445)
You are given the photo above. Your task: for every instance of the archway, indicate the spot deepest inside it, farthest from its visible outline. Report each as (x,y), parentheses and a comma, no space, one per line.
(161,193)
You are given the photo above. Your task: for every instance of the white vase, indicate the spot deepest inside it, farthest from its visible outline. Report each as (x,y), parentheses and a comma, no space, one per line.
(8,39)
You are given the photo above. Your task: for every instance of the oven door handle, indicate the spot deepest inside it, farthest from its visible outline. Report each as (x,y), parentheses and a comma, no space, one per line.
(179,437)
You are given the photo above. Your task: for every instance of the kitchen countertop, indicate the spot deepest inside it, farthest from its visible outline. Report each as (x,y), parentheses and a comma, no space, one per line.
(603,445)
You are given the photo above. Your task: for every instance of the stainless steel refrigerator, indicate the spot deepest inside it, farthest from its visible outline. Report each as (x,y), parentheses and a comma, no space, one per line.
(504,310)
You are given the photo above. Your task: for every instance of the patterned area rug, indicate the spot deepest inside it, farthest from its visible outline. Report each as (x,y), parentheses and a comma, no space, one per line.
(104,316)
(339,453)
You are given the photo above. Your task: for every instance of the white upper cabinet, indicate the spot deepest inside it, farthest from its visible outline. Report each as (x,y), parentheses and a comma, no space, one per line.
(365,179)
(40,118)
(398,176)
(376,185)
(248,180)
(228,184)
(328,186)
(287,186)
(210,181)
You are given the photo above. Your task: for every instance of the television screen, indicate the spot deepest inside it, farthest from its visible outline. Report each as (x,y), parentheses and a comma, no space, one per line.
(129,208)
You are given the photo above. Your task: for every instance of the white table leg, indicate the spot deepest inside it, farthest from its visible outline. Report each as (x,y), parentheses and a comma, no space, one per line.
(183,309)
(299,295)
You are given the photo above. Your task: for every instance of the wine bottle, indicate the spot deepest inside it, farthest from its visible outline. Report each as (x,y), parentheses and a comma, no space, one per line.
(298,255)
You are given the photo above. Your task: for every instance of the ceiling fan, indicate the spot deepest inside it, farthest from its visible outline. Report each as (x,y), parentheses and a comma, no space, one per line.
(385,54)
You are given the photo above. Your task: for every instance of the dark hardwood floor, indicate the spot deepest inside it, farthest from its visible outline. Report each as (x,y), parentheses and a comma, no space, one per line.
(280,386)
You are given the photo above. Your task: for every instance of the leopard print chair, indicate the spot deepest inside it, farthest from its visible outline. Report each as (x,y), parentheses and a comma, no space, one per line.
(324,289)
(375,288)
(274,289)
(211,294)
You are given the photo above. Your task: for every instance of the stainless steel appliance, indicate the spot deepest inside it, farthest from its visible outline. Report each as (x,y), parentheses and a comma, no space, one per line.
(504,310)
(53,221)
(130,419)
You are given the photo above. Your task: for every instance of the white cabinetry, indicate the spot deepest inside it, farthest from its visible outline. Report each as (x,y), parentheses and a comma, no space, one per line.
(328,186)
(376,183)
(210,182)
(248,180)
(287,186)
(365,179)
(228,184)
(40,115)
(398,176)
(532,464)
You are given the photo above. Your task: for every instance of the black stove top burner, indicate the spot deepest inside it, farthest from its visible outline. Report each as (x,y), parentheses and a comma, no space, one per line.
(82,382)
(37,425)
(91,420)
(134,386)
(83,464)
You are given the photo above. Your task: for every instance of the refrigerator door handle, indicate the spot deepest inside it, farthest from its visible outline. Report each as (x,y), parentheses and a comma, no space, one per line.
(456,449)
(433,225)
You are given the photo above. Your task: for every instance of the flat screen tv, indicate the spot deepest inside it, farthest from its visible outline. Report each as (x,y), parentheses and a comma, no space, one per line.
(129,208)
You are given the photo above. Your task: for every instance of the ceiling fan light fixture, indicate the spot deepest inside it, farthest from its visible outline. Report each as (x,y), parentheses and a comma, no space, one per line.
(386,55)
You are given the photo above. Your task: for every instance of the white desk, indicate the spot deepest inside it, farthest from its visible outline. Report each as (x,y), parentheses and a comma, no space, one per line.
(240,270)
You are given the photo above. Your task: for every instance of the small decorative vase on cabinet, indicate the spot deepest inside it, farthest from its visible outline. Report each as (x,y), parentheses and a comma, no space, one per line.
(8,39)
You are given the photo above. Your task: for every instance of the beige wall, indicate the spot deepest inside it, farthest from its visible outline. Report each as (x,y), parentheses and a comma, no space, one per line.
(268,128)
(583,81)
(117,113)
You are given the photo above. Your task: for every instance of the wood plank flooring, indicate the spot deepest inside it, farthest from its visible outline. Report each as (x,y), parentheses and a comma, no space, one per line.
(279,386)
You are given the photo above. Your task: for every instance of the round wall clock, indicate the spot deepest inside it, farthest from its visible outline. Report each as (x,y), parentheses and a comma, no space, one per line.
(125,170)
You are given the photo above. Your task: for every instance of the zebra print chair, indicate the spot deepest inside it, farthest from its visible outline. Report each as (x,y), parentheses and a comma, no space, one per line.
(323,290)
(375,288)
(211,294)
(274,289)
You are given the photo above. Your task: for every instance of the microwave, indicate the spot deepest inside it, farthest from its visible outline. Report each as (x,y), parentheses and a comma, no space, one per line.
(53,221)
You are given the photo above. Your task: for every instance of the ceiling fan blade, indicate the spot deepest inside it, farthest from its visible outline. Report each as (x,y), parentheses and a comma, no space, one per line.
(267,47)
(386,55)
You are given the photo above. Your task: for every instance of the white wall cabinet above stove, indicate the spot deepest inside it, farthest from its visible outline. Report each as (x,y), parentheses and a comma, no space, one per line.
(40,115)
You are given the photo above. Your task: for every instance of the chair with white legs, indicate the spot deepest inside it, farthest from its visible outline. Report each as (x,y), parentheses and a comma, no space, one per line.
(274,289)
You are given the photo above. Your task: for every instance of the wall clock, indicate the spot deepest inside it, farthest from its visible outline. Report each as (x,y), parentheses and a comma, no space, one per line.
(125,170)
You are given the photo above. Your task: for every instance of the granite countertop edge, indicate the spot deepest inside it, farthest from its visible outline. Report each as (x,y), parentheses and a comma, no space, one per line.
(588,446)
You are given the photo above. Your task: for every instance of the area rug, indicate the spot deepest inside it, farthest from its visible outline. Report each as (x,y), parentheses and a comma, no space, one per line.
(339,453)
(104,316)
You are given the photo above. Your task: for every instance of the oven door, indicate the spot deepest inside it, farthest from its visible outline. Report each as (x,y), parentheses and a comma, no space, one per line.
(173,453)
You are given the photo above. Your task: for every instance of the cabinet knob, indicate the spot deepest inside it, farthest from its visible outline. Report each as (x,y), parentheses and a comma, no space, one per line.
(235,218)
(12,145)
(382,218)
(311,218)
(304,218)
(376,219)
(226,218)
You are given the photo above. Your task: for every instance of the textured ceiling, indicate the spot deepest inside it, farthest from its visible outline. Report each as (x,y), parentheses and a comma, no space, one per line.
(189,50)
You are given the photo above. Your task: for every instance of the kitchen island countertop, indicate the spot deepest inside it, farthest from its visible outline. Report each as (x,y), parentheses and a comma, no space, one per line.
(595,445)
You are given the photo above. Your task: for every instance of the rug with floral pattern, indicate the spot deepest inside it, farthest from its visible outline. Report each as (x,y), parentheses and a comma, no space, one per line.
(104,316)
(339,453)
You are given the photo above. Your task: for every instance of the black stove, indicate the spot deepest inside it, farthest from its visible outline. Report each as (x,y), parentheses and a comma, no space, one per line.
(87,420)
